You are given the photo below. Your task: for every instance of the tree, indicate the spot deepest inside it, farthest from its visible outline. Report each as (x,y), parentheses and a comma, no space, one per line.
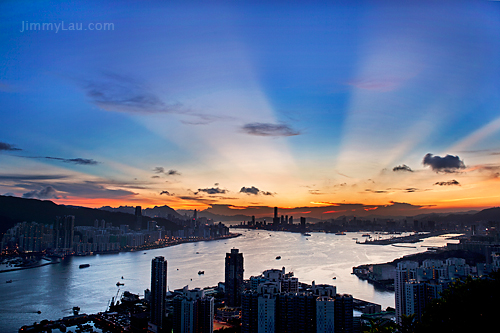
(380,326)
(469,305)
(408,324)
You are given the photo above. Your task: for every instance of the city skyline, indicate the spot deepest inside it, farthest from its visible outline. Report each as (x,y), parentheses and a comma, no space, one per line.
(377,108)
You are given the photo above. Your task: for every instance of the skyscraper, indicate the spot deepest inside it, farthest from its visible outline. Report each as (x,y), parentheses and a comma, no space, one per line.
(138,218)
(343,318)
(64,232)
(158,291)
(193,312)
(405,271)
(234,278)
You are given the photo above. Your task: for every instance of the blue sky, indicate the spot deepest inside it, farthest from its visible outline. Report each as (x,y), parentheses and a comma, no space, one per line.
(305,104)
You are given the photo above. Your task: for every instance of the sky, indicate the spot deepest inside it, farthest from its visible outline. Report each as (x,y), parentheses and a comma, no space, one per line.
(327,107)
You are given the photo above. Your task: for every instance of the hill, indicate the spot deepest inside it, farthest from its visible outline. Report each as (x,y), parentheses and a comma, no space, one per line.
(14,210)
(156,211)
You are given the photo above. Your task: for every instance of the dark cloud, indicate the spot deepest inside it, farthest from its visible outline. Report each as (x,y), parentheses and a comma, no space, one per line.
(449,163)
(170,172)
(448,183)
(403,167)
(80,161)
(45,193)
(159,170)
(377,191)
(213,190)
(255,191)
(30,177)
(166,193)
(7,147)
(267,129)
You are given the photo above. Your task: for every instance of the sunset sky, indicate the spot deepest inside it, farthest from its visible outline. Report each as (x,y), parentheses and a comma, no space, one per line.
(333,106)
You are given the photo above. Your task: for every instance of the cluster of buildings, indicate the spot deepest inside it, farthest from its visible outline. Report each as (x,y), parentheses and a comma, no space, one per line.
(274,301)
(64,238)
(417,285)
(283,222)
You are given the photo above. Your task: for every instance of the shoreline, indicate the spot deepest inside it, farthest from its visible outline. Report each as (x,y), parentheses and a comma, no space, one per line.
(177,242)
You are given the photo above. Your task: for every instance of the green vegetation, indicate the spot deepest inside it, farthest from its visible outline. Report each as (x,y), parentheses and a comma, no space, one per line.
(469,305)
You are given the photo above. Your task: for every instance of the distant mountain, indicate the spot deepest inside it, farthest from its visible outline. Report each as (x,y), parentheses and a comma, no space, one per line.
(14,209)
(157,211)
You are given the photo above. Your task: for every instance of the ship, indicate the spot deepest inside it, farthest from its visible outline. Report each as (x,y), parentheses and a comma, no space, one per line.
(366,235)
(340,233)
(278,257)
(119,284)
(84,265)
(306,234)
(201,272)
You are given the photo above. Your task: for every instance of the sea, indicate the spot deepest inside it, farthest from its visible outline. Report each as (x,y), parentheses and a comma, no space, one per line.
(321,257)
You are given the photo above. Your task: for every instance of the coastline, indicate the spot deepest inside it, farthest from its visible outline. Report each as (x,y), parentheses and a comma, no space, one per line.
(141,248)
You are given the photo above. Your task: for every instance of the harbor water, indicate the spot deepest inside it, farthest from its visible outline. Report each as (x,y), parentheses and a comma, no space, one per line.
(55,289)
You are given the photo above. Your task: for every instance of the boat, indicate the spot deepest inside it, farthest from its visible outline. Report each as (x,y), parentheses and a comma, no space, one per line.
(278,257)
(341,233)
(306,234)
(366,235)
(334,278)
(8,281)
(84,265)
(119,284)
(201,272)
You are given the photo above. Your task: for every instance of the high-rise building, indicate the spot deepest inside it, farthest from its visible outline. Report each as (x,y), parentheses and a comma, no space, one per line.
(158,291)
(302,223)
(343,313)
(325,314)
(138,218)
(405,271)
(249,311)
(234,278)
(276,219)
(64,232)
(193,312)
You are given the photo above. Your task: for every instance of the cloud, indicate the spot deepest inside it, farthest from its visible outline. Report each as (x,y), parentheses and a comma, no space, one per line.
(159,170)
(315,192)
(170,172)
(30,177)
(377,191)
(7,147)
(118,93)
(166,193)
(449,163)
(448,183)
(45,193)
(255,191)
(79,160)
(213,190)
(403,167)
(267,129)
(113,92)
